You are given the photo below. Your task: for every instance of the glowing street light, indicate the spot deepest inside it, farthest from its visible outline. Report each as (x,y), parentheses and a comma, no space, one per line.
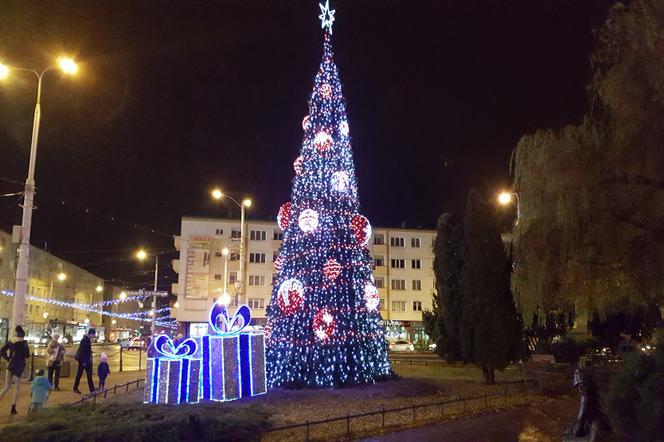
(45,315)
(123,295)
(245,204)
(505,198)
(176,304)
(69,67)
(142,255)
(99,289)
(113,322)
(4,71)
(224,299)
(62,276)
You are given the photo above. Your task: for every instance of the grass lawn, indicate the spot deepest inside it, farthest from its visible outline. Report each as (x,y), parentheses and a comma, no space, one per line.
(125,418)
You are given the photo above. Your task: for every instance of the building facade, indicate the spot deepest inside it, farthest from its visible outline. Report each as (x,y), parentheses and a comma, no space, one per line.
(49,278)
(403,260)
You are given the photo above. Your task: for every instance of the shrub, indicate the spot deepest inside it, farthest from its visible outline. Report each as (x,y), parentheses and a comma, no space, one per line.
(634,403)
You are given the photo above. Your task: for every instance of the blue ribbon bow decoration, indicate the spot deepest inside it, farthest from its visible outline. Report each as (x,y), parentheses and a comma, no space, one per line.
(165,347)
(225,326)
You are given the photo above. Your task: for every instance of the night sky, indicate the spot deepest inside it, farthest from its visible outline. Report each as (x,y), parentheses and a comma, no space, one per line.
(176,97)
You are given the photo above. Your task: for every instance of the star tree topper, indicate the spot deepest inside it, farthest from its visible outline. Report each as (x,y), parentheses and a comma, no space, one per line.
(326,16)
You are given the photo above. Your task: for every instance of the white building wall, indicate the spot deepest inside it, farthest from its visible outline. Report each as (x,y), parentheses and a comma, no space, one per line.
(200,269)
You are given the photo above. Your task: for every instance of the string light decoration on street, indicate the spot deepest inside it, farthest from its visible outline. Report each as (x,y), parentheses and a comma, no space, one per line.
(323,318)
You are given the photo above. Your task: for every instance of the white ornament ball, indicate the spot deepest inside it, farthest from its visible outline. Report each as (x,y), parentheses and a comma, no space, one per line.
(340,181)
(308,220)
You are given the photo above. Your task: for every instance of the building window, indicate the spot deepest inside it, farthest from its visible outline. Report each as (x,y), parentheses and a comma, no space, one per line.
(398,306)
(198,329)
(256,303)
(397,242)
(277,235)
(232,277)
(379,261)
(258,235)
(416,263)
(382,303)
(398,263)
(257,257)
(379,283)
(417,284)
(206,259)
(275,276)
(235,234)
(398,284)
(417,306)
(257,280)
(235,256)
(217,277)
(415,242)
(219,232)
(379,239)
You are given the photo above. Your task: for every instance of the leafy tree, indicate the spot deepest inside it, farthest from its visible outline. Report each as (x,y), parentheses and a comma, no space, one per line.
(592,226)
(489,328)
(442,323)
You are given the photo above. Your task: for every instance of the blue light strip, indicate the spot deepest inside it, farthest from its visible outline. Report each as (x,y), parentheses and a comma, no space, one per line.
(244,350)
(207,374)
(223,372)
(155,379)
(239,369)
(184,381)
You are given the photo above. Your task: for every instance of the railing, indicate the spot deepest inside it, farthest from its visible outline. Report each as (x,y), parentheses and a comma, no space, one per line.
(456,406)
(114,389)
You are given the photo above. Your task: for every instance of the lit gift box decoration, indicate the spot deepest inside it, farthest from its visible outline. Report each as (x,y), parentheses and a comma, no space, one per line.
(233,359)
(173,376)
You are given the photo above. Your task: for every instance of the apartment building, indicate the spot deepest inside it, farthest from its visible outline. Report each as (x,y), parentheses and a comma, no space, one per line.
(403,272)
(49,278)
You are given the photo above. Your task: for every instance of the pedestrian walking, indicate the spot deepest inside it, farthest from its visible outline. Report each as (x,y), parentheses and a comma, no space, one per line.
(56,355)
(16,353)
(40,389)
(84,359)
(102,371)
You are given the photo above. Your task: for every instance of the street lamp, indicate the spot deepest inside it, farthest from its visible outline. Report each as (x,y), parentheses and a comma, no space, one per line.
(99,289)
(246,203)
(69,67)
(505,198)
(62,276)
(123,295)
(142,255)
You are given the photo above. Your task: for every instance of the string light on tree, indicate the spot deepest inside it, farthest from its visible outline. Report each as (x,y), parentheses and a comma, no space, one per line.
(323,316)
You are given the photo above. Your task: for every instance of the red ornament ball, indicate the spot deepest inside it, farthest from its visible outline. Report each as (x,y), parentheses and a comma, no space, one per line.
(322,141)
(283,218)
(326,90)
(332,268)
(323,324)
(290,296)
(361,229)
(278,263)
(297,165)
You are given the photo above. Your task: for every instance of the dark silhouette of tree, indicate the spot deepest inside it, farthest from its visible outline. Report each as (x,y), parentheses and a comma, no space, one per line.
(489,328)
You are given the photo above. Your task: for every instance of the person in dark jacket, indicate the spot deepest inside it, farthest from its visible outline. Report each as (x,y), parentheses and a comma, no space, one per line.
(16,353)
(84,358)
(102,371)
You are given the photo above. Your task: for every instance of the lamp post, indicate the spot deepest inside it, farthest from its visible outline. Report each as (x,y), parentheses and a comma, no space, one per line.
(142,255)
(69,67)
(505,198)
(218,195)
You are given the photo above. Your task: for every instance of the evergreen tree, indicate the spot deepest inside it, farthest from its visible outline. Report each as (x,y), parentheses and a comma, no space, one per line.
(489,328)
(442,323)
(324,319)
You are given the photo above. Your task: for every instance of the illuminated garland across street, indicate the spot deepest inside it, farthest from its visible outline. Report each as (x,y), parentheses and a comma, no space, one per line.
(323,318)
(143,316)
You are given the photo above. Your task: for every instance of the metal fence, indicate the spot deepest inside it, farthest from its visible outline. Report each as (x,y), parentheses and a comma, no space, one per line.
(355,425)
(106,392)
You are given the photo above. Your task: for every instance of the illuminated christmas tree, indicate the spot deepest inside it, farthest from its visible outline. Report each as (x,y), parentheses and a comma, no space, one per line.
(323,318)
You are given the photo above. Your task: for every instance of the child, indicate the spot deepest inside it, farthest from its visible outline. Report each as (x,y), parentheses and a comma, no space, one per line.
(40,389)
(103,371)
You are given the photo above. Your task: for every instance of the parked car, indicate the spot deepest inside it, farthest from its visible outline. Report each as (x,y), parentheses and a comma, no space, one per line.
(401,346)
(135,343)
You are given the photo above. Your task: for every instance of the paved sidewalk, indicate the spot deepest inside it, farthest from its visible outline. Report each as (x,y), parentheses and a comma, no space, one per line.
(64,396)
